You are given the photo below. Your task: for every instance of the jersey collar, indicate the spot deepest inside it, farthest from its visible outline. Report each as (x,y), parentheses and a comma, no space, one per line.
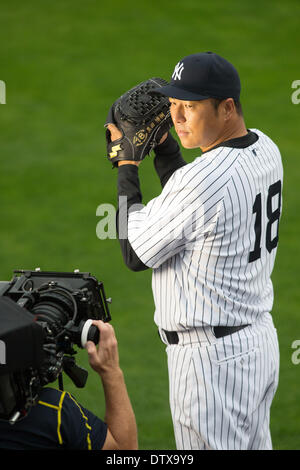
(238,142)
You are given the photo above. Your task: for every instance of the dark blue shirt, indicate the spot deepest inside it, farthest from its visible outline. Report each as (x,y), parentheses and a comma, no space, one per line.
(58,421)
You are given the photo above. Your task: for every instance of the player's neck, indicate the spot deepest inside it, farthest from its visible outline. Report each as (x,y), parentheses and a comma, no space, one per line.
(235,130)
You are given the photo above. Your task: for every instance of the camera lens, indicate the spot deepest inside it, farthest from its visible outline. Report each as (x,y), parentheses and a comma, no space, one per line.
(53,308)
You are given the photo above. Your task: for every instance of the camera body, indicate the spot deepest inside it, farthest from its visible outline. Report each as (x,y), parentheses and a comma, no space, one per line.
(43,315)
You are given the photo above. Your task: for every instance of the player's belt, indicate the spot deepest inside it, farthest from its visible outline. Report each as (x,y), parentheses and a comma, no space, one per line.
(219,332)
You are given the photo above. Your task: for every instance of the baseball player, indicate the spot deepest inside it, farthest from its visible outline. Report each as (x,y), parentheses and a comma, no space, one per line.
(210,238)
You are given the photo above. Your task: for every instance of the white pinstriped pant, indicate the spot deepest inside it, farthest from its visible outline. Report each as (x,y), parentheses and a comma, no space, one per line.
(221,389)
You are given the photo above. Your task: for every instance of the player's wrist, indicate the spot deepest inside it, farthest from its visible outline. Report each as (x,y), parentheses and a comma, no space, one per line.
(164,138)
(128,162)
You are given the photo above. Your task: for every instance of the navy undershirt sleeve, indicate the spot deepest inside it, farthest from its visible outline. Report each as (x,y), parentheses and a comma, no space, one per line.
(167,160)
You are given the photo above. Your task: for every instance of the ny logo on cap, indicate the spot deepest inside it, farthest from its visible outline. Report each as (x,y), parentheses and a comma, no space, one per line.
(178,71)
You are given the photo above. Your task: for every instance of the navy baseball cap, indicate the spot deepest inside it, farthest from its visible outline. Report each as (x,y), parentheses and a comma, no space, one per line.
(202,76)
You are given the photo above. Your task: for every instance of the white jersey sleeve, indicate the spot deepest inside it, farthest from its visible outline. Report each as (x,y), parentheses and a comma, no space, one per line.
(183,214)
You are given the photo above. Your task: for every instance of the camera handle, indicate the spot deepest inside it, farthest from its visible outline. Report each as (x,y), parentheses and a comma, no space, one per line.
(77,374)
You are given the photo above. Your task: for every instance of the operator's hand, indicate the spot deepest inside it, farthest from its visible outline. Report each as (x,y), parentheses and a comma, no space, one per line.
(104,359)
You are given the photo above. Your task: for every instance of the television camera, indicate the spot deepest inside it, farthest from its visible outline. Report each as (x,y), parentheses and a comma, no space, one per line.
(43,315)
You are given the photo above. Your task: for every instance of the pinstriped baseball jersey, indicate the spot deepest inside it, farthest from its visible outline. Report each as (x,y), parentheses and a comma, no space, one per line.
(211,237)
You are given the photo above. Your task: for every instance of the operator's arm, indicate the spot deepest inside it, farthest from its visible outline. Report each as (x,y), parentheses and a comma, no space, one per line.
(119,415)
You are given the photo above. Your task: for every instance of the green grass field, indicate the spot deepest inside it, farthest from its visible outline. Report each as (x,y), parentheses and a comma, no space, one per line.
(64,62)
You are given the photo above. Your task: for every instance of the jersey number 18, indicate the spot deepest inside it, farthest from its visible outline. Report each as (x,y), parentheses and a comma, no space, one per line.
(272,215)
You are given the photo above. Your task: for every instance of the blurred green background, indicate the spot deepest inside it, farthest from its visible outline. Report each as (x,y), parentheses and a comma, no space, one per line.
(64,62)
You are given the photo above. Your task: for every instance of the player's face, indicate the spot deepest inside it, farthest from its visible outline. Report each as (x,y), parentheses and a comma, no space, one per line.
(197,123)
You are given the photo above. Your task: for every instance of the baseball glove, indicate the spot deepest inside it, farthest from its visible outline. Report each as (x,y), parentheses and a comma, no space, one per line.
(143,117)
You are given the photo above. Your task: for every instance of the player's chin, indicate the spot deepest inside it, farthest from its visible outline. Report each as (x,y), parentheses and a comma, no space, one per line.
(188,143)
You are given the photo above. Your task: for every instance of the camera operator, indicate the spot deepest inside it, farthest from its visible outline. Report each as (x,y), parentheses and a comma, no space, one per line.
(59,421)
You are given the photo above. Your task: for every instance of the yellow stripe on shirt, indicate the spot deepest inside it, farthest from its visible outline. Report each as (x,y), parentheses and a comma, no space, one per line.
(59,417)
(59,410)
(88,438)
(48,404)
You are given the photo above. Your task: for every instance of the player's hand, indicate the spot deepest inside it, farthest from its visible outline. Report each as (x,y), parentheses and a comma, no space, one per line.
(104,359)
(116,134)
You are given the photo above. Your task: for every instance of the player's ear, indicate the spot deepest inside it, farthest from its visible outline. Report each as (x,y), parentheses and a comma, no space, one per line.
(228,108)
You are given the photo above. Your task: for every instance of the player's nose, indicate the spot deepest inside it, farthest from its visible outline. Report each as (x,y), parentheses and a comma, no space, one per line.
(177,114)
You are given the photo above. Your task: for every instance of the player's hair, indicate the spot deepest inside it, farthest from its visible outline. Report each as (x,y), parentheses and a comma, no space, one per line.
(216,102)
